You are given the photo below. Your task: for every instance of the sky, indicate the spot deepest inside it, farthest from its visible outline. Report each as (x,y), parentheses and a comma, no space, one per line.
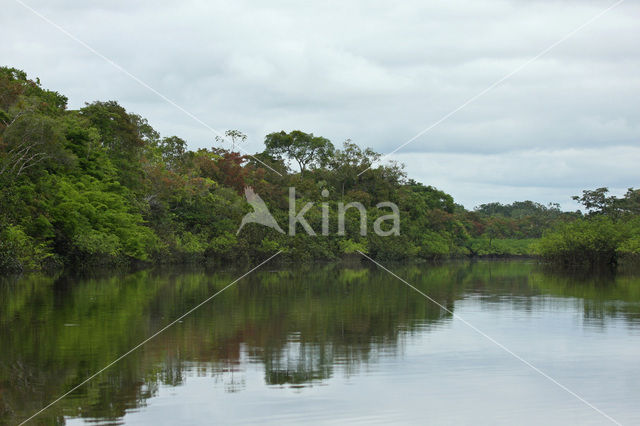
(375,72)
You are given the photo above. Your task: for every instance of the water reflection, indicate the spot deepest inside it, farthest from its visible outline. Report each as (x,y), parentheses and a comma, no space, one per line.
(300,325)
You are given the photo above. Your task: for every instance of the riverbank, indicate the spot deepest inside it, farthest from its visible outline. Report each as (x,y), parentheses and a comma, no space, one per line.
(101,186)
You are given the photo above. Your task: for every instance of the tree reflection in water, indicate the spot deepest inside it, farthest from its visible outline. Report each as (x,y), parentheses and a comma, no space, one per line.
(302,325)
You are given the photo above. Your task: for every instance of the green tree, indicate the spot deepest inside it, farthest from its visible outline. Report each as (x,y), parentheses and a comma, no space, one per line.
(305,148)
(347,163)
(30,140)
(123,135)
(172,150)
(596,201)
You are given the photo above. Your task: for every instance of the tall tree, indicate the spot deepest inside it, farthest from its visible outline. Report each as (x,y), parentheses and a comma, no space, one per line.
(236,136)
(28,141)
(124,137)
(305,148)
(596,201)
(349,162)
(172,149)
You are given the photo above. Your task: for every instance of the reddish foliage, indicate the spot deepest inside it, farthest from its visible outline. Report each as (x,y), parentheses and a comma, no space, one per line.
(223,167)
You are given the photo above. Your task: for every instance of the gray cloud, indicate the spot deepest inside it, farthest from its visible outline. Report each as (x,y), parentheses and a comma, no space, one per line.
(543,175)
(376,72)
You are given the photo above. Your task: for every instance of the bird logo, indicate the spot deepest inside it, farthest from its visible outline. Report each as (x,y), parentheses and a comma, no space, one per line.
(260,214)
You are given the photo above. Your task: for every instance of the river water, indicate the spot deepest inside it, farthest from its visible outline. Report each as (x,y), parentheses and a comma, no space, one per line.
(330,343)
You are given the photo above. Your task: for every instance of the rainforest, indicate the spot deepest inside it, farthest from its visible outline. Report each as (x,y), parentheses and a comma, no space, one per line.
(99,186)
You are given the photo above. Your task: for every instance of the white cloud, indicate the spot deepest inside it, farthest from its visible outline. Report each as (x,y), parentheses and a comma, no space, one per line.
(540,175)
(377,72)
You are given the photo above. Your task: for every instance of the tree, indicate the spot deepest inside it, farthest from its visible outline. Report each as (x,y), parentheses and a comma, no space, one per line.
(101,185)
(29,132)
(145,132)
(122,133)
(30,140)
(596,201)
(124,136)
(305,148)
(18,92)
(347,163)
(631,202)
(423,198)
(236,136)
(496,228)
(172,149)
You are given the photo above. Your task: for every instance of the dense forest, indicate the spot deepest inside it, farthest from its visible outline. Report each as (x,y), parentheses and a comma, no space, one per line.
(100,186)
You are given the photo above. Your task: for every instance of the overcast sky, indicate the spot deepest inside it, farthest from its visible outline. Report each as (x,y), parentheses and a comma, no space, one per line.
(375,72)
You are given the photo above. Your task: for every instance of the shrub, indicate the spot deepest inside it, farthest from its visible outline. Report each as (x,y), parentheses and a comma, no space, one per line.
(584,241)
(18,251)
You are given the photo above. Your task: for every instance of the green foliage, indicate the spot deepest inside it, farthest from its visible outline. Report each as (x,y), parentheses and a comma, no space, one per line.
(349,247)
(585,241)
(503,247)
(93,219)
(123,136)
(173,150)
(32,140)
(19,251)
(392,248)
(305,148)
(598,203)
(191,247)
(101,185)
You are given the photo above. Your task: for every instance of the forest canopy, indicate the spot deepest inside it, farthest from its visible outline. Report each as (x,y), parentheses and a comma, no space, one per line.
(99,185)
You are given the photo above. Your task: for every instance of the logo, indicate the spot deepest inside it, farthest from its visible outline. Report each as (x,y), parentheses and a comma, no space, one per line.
(262,216)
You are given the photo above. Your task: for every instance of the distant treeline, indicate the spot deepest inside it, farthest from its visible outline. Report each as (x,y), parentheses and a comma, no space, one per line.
(100,186)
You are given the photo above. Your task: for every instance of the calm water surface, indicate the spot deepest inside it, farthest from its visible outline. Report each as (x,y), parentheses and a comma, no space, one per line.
(323,344)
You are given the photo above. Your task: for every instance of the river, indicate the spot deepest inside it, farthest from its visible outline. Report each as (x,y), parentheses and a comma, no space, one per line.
(488,342)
